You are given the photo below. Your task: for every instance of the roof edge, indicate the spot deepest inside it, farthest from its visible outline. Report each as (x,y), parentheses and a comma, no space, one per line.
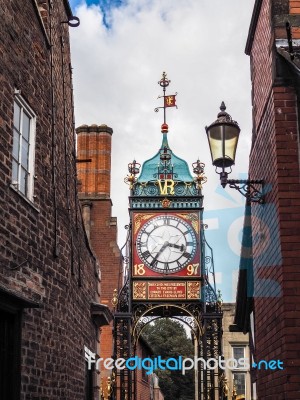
(253,24)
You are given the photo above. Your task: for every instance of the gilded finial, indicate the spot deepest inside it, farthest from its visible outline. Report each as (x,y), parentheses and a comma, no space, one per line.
(114,300)
(133,169)
(200,178)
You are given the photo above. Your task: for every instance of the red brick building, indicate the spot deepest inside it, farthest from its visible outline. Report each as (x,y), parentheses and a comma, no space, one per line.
(94,144)
(49,276)
(268,300)
(147,384)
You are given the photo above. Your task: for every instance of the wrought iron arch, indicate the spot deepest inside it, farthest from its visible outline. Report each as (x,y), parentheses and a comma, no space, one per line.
(142,316)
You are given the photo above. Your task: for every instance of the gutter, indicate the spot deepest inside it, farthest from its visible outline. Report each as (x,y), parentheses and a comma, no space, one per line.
(253,24)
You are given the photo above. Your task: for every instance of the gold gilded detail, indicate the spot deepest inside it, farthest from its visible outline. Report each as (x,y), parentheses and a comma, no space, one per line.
(193,218)
(138,218)
(166,203)
(166,184)
(114,300)
(139,290)
(193,290)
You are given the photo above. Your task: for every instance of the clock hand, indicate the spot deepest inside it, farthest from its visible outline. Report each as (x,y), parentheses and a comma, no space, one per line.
(164,246)
(176,246)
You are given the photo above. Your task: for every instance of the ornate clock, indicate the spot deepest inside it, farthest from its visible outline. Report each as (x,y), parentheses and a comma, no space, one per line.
(166,244)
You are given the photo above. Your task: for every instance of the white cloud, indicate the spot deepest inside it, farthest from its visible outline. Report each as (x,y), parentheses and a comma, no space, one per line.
(200,44)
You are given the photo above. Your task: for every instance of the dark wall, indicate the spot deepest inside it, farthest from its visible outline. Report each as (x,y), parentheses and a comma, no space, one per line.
(45,256)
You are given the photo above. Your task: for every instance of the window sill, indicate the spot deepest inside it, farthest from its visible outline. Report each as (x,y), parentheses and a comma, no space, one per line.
(24,197)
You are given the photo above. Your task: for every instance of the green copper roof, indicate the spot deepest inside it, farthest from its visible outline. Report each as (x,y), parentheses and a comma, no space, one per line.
(176,166)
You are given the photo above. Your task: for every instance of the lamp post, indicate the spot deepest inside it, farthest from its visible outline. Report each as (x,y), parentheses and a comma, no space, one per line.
(223,136)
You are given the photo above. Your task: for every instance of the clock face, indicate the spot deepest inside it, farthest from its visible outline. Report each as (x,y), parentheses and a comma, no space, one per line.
(166,243)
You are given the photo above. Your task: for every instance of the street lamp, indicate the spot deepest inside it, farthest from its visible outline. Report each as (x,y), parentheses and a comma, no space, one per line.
(223,136)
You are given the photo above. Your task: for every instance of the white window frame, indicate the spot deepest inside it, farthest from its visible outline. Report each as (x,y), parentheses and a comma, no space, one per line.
(238,346)
(245,376)
(25,108)
(245,355)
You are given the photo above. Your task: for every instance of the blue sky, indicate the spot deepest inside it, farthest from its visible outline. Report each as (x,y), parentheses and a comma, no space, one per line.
(105,5)
(119,52)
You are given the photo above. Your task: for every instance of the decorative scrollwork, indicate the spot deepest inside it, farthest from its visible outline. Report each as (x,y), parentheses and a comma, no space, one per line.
(210,294)
(248,190)
(143,322)
(192,189)
(139,218)
(126,259)
(139,290)
(151,190)
(180,189)
(193,290)
(123,297)
(137,190)
(193,218)
(207,259)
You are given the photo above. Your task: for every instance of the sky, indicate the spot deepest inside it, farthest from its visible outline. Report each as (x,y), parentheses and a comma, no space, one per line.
(119,52)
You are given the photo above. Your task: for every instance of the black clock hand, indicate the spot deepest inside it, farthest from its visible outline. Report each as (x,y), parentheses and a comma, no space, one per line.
(176,246)
(164,246)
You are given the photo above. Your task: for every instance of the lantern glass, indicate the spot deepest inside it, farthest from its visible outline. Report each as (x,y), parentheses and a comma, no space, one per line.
(223,139)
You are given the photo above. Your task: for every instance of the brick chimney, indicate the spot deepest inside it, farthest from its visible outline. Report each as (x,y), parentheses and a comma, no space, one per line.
(94,142)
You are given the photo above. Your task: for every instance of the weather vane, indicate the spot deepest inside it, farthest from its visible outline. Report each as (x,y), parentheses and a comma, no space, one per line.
(169,100)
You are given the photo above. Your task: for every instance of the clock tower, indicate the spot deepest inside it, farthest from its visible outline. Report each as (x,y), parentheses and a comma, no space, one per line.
(167,265)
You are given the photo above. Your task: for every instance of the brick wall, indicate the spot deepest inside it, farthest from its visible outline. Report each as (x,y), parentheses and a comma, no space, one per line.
(94,142)
(276,225)
(45,256)
(261,63)
(294,10)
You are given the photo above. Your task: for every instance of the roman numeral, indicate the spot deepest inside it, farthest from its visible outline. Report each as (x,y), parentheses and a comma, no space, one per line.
(186,255)
(146,254)
(166,221)
(154,263)
(166,267)
(190,243)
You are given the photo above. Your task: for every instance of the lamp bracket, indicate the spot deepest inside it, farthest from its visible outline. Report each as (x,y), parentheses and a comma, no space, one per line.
(248,189)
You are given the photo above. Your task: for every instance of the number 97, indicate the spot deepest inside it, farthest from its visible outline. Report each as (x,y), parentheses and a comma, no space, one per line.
(192,269)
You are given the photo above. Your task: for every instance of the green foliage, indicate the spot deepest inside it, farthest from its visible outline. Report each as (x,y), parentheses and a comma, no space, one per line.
(167,339)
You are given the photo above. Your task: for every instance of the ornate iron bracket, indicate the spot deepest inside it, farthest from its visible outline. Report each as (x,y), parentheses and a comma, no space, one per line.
(246,187)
